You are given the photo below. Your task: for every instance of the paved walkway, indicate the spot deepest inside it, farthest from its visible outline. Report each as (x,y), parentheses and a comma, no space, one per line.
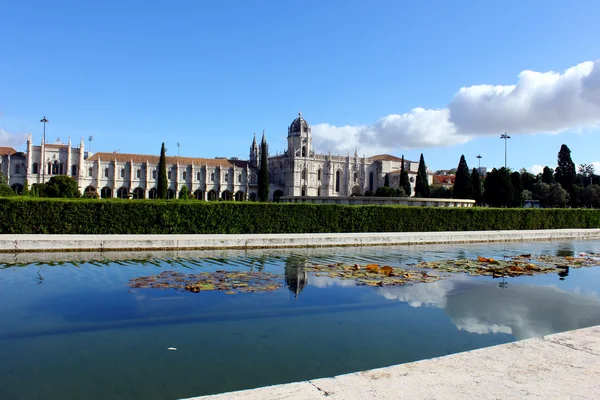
(560,366)
(62,243)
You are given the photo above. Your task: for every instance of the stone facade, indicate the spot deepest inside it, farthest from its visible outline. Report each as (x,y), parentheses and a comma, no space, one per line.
(299,171)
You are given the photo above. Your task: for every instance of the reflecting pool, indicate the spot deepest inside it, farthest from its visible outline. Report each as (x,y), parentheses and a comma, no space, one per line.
(72,328)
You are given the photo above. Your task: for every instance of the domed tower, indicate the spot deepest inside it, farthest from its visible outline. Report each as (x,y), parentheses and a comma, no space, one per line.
(299,138)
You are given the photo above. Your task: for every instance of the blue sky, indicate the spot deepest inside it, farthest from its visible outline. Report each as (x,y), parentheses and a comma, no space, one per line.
(208,74)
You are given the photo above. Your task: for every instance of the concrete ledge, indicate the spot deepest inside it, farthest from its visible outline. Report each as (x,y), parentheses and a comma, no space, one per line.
(560,366)
(103,243)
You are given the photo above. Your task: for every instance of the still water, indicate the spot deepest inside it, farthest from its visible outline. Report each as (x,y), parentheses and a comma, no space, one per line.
(72,329)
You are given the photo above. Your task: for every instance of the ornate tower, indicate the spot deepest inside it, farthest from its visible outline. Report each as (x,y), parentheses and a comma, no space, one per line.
(299,138)
(254,152)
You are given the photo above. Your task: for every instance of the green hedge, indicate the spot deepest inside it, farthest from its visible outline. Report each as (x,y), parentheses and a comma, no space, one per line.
(30,215)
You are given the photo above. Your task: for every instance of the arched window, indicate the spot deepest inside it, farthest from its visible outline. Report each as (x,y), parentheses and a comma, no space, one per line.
(73,170)
(122,172)
(303,191)
(226,176)
(183,175)
(169,174)
(55,168)
(35,168)
(138,173)
(106,172)
(319,191)
(253,179)
(198,176)
(304,173)
(337,181)
(303,151)
(61,169)
(212,176)
(90,170)
(17,169)
(319,174)
(154,174)
(239,178)
(356,177)
(371,181)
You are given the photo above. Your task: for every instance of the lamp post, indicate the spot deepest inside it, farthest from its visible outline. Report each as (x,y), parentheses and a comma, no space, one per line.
(505,137)
(43,163)
(479,160)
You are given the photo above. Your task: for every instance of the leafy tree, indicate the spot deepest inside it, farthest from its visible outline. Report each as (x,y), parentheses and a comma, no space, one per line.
(3,179)
(404,180)
(385,191)
(5,190)
(61,186)
(263,172)
(515,179)
(476,185)
(369,193)
(386,181)
(440,192)
(184,193)
(541,192)
(548,176)
(558,197)
(25,189)
(591,196)
(526,195)
(565,173)
(528,179)
(586,172)
(462,184)
(498,188)
(399,192)
(162,185)
(422,184)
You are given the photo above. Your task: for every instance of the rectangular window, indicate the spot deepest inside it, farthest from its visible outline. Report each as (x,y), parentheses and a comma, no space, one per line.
(90,170)
(154,174)
(198,176)
(212,176)
(106,172)
(122,172)
(183,175)
(226,175)
(139,173)
(169,175)
(35,168)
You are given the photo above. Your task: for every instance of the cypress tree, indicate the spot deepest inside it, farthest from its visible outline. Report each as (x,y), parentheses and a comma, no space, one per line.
(386,181)
(476,185)
(462,184)
(422,185)
(25,189)
(404,181)
(517,184)
(547,176)
(161,187)
(183,193)
(565,173)
(263,172)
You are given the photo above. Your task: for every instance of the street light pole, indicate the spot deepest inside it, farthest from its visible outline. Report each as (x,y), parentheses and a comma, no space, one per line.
(43,161)
(479,160)
(505,137)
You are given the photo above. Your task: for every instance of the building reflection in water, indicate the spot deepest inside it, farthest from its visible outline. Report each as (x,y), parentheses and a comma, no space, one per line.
(296,278)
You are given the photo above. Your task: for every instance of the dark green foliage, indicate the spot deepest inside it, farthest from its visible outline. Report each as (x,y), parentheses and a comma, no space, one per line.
(385,191)
(558,197)
(476,186)
(162,184)
(462,184)
(565,172)
(369,193)
(25,189)
(515,179)
(386,181)
(528,179)
(3,179)
(399,192)
(421,183)
(5,190)
(37,190)
(404,180)
(440,192)
(23,215)
(184,193)
(548,176)
(61,186)
(263,172)
(498,188)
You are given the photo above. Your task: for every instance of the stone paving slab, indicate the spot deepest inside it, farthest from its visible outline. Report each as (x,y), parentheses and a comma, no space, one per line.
(560,366)
(106,243)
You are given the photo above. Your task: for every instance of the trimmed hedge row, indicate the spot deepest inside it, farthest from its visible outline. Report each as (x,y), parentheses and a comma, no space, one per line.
(63,216)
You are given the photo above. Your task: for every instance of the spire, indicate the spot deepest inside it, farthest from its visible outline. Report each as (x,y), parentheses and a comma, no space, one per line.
(254,140)
(263,137)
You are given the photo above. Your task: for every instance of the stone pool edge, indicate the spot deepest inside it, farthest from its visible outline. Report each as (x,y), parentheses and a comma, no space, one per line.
(559,366)
(110,243)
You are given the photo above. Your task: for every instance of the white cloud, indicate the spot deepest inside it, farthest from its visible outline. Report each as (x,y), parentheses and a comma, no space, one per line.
(8,139)
(544,102)
(536,169)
